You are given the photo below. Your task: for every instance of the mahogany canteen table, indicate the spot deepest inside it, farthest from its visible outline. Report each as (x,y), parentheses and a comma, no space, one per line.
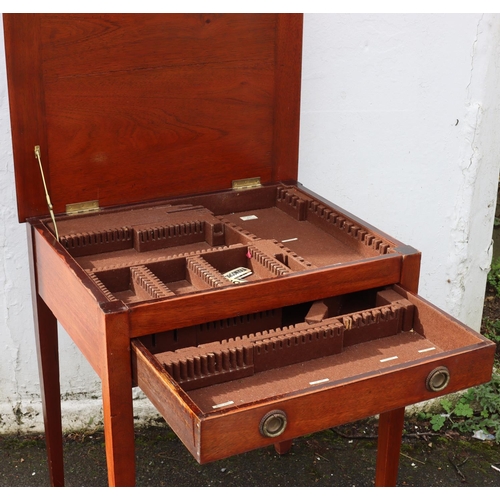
(156,160)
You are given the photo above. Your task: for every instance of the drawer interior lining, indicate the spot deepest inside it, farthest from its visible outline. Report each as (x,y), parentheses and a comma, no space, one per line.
(216,352)
(351,362)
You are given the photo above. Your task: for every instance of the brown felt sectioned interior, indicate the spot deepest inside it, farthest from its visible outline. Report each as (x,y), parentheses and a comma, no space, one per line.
(168,250)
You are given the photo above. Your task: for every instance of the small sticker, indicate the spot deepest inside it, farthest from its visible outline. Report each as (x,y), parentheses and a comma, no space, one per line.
(388,359)
(249,217)
(236,275)
(287,241)
(427,350)
(221,405)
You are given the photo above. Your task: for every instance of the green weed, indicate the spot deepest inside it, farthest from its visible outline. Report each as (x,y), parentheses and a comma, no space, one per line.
(477,409)
(493,277)
(491,329)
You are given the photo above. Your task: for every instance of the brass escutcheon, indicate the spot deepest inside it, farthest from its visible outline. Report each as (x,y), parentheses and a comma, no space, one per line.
(438,379)
(273,423)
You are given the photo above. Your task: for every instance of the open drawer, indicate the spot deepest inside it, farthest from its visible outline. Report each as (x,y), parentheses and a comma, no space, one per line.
(242,383)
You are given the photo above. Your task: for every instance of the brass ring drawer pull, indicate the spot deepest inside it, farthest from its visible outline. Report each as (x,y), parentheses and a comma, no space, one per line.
(438,379)
(273,423)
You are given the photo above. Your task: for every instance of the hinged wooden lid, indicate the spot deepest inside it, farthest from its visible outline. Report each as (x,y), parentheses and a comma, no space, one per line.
(137,107)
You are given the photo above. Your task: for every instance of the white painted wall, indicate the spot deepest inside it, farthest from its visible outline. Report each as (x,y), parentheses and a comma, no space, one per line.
(400,126)
(400,115)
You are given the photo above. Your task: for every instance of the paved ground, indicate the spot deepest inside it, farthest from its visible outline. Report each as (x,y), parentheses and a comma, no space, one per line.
(337,457)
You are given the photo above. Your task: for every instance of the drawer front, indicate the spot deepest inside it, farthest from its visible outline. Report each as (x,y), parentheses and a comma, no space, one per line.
(377,369)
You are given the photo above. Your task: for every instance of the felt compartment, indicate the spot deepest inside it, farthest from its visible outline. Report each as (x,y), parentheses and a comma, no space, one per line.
(169,249)
(242,347)
(168,277)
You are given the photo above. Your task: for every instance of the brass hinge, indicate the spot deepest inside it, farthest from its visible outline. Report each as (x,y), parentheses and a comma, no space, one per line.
(82,207)
(47,197)
(250,183)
